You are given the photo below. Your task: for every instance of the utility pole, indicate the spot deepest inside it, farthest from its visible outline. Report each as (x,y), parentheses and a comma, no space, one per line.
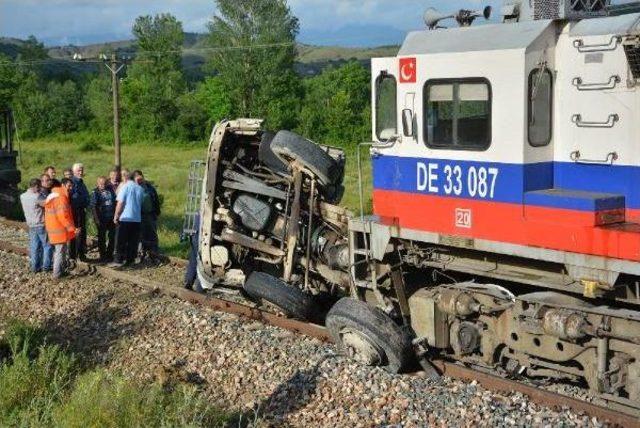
(115,66)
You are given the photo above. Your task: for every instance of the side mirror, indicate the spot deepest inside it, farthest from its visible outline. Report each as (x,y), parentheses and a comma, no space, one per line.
(407,122)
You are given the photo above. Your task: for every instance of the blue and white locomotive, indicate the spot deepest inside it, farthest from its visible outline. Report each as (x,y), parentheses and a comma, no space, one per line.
(506,204)
(506,197)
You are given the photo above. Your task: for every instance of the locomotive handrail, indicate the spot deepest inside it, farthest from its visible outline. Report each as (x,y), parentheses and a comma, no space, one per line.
(611,157)
(603,47)
(610,84)
(611,121)
(374,145)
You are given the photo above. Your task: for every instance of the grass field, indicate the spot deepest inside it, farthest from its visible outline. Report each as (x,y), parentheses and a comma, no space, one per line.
(41,384)
(165,164)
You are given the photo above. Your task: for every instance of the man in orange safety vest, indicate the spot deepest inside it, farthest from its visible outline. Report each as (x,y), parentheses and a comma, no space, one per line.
(58,219)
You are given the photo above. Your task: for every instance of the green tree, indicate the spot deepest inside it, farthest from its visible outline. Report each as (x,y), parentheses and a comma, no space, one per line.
(211,95)
(254,42)
(66,109)
(32,50)
(201,108)
(99,101)
(31,107)
(336,107)
(9,80)
(155,81)
(57,108)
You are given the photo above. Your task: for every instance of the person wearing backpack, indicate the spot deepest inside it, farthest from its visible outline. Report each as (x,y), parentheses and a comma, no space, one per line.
(150,213)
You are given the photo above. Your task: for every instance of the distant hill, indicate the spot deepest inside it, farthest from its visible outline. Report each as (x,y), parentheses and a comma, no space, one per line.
(10,46)
(311,59)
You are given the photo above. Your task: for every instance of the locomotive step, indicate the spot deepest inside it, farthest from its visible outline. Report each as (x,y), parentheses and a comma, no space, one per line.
(596,208)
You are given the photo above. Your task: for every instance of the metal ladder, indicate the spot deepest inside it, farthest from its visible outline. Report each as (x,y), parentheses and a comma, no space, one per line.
(194,194)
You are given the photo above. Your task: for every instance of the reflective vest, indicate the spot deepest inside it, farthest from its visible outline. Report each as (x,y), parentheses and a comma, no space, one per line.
(58,219)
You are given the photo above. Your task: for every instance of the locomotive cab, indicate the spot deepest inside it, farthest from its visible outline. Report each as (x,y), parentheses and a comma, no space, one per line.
(516,137)
(505,231)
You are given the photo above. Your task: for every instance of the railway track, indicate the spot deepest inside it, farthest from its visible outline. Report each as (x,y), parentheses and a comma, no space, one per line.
(446,368)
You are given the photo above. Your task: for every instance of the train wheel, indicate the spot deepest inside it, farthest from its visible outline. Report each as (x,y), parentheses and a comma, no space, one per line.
(369,336)
(292,301)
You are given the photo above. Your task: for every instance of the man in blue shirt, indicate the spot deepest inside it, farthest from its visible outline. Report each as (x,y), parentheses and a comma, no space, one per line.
(127,218)
(79,204)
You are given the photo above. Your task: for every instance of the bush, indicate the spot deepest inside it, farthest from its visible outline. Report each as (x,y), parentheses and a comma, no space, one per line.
(99,399)
(32,378)
(41,385)
(89,146)
(21,337)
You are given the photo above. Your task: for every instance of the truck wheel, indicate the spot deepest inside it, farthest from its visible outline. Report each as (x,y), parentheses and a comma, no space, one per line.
(267,157)
(292,301)
(369,336)
(290,146)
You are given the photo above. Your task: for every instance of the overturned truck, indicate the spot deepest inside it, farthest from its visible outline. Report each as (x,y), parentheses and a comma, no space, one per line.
(269,218)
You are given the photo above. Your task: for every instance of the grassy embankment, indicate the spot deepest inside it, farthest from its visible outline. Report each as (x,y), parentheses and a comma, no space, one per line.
(165,164)
(43,385)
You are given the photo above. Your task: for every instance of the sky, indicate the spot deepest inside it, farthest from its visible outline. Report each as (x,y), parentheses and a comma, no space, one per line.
(324,22)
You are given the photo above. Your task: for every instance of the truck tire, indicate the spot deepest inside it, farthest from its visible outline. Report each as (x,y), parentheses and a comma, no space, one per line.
(369,336)
(292,301)
(288,146)
(267,157)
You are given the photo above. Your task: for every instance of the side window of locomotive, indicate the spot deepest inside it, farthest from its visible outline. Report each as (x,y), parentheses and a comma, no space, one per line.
(540,107)
(386,109)
(458,114)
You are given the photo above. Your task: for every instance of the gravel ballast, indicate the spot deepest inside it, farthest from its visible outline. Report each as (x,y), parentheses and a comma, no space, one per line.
(269,375)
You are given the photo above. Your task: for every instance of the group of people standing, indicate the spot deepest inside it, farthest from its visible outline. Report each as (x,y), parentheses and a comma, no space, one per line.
(125,208)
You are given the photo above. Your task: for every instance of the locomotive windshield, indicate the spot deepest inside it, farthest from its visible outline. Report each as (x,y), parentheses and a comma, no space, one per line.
(458,114)
(386,110)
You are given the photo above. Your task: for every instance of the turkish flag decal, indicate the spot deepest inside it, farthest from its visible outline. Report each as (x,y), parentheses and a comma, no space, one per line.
(408,70)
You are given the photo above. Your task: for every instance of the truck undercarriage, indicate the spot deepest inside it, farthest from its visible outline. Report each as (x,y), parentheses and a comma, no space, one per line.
(268,214)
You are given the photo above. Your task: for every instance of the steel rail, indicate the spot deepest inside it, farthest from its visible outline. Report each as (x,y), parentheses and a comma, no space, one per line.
(457,371)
